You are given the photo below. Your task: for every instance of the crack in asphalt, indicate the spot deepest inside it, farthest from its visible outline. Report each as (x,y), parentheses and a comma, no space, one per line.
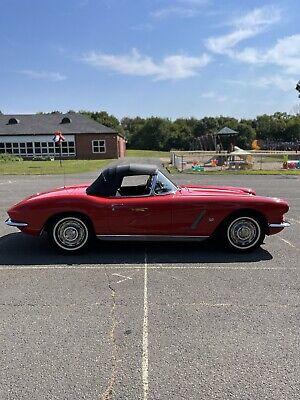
(108,393)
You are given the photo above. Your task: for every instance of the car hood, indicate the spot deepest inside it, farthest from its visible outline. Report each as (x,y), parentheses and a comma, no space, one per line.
(210,190)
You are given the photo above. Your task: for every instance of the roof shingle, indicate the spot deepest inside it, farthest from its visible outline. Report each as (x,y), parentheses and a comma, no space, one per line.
(40,124)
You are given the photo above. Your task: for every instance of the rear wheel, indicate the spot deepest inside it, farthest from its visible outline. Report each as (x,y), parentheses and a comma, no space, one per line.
(243,233)
(70,234)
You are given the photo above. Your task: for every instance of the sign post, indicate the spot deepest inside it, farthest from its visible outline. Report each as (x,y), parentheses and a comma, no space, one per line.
(59,138)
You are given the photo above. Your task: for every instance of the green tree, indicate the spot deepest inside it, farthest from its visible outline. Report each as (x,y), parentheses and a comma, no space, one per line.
(206,125)
(292,131)
(181,135)
(153,135)
(246,136)
(230,122)
(105,119)
(131,128)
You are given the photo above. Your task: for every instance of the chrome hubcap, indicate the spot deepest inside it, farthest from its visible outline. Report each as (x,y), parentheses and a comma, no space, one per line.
(70,233)
(244,232)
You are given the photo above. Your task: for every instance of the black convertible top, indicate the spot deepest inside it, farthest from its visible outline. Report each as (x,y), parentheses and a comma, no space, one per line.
(111,178)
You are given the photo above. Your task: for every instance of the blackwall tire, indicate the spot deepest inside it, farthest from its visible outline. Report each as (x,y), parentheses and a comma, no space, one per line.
(70,234)
(243,233)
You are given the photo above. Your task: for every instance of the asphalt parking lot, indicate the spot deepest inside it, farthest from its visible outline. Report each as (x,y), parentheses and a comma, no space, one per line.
(150,321)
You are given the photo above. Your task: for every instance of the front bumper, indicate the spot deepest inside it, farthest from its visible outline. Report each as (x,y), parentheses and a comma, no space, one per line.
(282,225)
(9,222)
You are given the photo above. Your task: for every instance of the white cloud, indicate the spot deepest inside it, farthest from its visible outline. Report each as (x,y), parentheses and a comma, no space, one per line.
(259,17)
(175,11)
(215,96)
(224,44)
(246,27)
(285,54)
(180,8)
(280,82)
(194,2)
(49,76)
(143,27)
(171,67)
(208,95)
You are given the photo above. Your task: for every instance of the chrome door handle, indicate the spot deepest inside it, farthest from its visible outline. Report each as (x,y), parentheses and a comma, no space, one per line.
(116,206)
(139,209)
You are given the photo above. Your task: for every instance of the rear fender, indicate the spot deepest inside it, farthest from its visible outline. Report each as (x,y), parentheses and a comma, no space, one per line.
(66,214)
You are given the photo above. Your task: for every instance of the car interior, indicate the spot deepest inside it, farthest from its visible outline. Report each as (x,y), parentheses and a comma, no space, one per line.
(127,187)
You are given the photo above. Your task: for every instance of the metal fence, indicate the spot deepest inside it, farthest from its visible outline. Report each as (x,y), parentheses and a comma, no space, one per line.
(256,160)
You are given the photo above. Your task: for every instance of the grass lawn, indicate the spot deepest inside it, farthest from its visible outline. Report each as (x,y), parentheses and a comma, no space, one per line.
(50,167)
(147,153)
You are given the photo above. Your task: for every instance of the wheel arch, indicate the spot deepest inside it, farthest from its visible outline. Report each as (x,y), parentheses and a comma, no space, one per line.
(249,212)
(78,214)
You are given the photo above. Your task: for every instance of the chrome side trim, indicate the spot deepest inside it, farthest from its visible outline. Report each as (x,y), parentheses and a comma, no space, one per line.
(198,219)
(152,238)
(9,222)
(282,225)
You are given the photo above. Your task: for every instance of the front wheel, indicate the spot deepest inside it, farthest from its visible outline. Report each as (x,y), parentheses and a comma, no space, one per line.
(70,234)
(243,233)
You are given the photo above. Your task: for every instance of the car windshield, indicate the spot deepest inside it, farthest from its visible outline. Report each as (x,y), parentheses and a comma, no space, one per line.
(163,185)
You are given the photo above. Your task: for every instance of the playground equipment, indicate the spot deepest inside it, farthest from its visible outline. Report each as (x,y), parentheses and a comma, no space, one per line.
(292,164)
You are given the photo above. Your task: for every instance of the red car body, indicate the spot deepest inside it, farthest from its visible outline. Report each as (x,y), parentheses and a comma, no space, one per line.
(189,212)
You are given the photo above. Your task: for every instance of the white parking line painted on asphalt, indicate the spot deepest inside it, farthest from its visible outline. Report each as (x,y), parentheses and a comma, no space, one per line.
(158,266)
(290,244)
(125,278)
(221,268)
(145,361)
(232,305)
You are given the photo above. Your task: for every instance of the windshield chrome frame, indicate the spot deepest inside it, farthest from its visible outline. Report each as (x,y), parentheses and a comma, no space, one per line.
(176,188)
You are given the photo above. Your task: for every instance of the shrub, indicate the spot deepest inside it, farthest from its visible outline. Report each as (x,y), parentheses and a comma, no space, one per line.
(9,158)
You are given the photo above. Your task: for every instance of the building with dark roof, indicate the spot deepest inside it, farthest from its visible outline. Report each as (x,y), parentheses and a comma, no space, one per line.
(31,136)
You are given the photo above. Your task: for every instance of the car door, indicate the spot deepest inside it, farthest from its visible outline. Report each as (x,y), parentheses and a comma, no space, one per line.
(149,214)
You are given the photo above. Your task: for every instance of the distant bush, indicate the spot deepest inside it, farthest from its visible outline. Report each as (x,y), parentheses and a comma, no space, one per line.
(42,158)
(9,158)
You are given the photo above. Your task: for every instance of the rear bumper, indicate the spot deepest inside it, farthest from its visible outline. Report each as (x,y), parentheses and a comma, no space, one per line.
(9,222)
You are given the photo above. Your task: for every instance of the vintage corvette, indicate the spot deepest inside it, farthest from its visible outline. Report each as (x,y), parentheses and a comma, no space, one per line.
(138,202)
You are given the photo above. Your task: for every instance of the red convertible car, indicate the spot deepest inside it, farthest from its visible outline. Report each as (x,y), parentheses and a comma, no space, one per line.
(138,202)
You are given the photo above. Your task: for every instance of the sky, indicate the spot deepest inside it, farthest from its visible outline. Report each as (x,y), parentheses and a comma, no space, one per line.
(168,58)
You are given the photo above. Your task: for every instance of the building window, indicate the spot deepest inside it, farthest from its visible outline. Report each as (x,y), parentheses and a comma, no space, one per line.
(38,149)
(66,120)
(13,121)
(99,146)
